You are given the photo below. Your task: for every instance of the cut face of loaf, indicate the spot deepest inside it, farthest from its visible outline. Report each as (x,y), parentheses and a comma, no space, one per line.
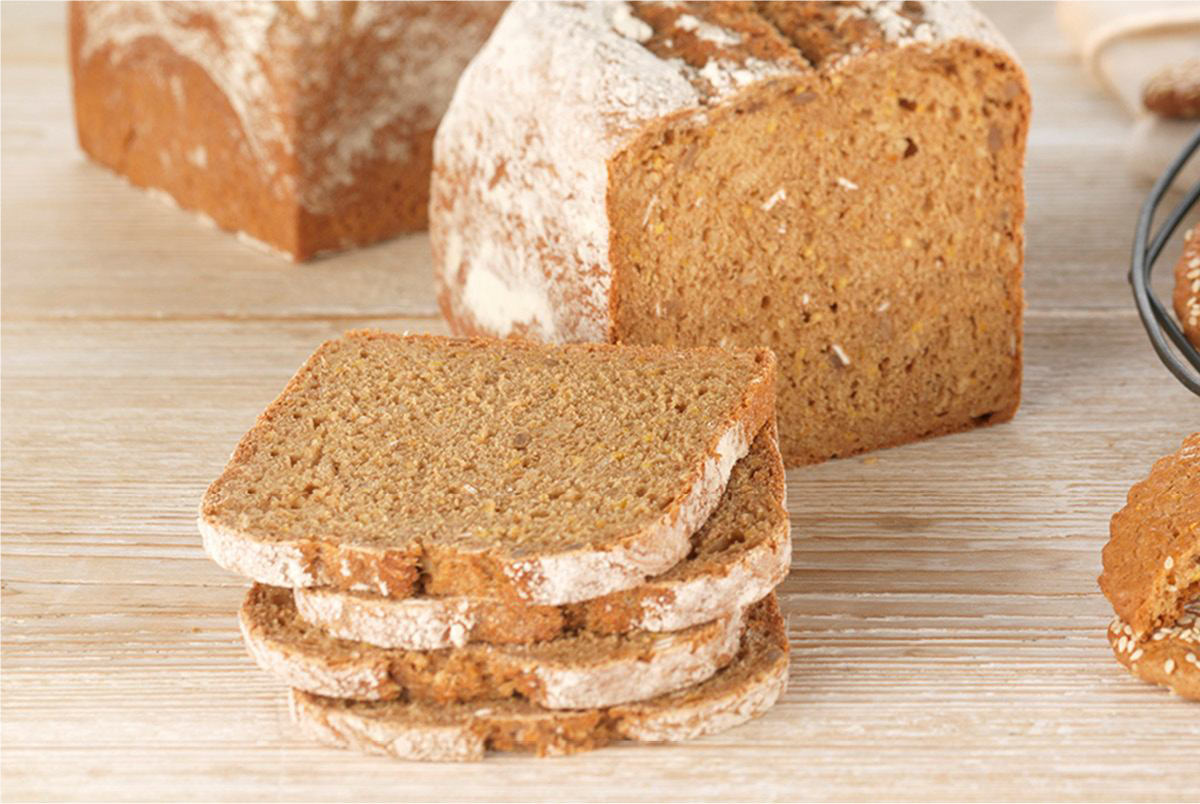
(839,182)
(744,689)
(576,671)
(305,126)
(741,553)
(480,468)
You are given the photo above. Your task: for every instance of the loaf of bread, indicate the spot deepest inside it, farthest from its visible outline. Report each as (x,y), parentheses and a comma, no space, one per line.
(839,182)
(306,127)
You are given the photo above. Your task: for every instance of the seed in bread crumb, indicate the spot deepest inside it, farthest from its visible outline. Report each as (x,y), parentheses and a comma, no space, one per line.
(840,354)
(1168,563)
(1169,666)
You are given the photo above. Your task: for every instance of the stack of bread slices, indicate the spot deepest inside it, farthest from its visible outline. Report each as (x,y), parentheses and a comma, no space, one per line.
(469,545)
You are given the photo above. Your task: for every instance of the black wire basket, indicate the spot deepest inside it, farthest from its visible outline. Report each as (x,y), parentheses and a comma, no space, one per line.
(1183,360)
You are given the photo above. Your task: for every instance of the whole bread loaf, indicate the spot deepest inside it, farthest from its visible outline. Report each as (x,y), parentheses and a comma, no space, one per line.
(306,127)
(737,557)
(482,468)
(746,688)
(841,182)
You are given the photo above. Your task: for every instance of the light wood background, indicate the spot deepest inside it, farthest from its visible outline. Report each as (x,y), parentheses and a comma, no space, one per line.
(948,635)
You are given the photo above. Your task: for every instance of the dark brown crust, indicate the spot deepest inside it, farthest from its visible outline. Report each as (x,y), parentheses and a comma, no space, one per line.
(1186,297)
(1152,558)
(1174,91)
(127,119)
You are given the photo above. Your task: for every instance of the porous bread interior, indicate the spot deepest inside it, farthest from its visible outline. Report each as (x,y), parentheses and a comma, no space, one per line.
(515,724)
(472,672)
(511,447)
(864,223)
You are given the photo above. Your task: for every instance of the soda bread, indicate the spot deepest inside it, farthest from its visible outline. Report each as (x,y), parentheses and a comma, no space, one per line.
(304,127)
(841,182)
(455,467)
(744,689)
(576,671)
(737,557)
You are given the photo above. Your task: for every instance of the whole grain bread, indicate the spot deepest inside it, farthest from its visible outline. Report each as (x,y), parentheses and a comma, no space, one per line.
(1186,297)
(575,671)
(1152,558)
(737,557)
(305,128)
(465,467)
(746,688)
(841,182)
(1168,657)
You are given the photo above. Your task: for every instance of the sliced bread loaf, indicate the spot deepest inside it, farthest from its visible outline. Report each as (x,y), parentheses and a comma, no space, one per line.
(551,474)
(576,671)
(744,689)
(839,181)
(737,557)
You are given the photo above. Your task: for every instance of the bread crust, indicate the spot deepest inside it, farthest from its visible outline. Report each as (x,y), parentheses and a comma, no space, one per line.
(1152,558)
(304,130)
(570,673)
(740,575)
(568,576)
(743,690)
(1186,297)
(1168,657)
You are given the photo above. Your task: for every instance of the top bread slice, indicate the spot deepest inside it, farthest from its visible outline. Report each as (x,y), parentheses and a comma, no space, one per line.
(737,557)
(407,465)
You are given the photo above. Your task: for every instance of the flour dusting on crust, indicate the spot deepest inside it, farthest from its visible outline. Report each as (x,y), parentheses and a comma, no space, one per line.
(518,216)
(271,61)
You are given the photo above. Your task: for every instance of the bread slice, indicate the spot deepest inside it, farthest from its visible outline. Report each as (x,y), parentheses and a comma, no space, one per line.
(551,474)
(737,557)
(580,670)
(745,689)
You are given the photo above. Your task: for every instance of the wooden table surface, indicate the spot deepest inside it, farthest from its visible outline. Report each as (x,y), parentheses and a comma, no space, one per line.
(948,636)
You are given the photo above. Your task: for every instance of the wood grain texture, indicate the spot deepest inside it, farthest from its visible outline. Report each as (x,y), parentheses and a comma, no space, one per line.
(948,635)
